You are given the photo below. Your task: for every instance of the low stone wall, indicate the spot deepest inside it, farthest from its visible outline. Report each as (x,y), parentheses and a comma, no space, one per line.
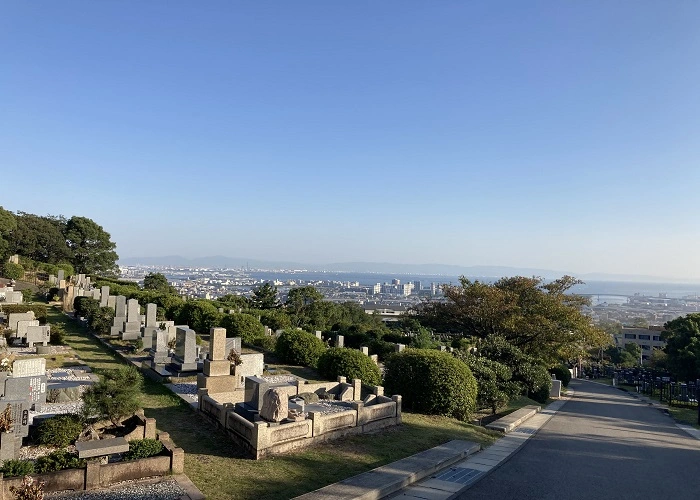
(95,475)
(262,438)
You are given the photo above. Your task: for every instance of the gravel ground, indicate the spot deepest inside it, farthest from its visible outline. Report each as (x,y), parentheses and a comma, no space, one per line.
(186,390)
(164,490)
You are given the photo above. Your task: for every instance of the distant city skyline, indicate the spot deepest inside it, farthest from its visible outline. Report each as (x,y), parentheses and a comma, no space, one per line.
(538,134)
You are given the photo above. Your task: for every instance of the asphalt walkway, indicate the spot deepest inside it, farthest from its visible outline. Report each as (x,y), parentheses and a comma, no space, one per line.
(601,444)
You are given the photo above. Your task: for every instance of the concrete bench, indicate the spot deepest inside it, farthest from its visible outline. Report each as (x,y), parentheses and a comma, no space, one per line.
(102,447)
(511,421)
(385,480)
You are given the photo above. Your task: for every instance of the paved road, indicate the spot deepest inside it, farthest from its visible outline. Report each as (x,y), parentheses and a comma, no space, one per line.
(602,444)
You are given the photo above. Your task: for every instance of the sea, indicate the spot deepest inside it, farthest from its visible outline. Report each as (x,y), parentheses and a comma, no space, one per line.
(610,291)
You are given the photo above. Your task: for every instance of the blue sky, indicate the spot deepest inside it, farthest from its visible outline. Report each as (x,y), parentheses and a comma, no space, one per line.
(559,135)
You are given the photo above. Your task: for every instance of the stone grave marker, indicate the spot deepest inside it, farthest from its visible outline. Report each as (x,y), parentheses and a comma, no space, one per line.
(38,335)
(104,296)
(151,310)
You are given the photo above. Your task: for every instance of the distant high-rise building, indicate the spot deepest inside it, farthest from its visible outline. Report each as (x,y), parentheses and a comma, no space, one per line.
(395,282)
(416,286)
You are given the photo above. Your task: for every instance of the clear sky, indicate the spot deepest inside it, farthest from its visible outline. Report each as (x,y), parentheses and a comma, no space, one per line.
(552,134)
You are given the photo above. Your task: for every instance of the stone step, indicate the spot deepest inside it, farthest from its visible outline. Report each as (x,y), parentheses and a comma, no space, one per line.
(385,480)
(511,421)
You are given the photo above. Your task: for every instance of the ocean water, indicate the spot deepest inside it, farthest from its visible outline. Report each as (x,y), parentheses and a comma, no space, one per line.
(610,288)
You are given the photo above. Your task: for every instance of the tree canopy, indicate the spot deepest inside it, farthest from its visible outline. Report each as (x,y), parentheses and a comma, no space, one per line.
(538,317)
(265,297)
(157,282)
(682,336)
(92,248)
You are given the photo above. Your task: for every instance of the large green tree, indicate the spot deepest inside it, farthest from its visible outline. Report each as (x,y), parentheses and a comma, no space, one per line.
(543,319)
(682,336)
(7,225)
(92,248)
(39,238)
(157,282)
(265,297)
(299,297)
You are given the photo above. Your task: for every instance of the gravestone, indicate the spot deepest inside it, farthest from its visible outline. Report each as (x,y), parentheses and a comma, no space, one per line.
(30,389)
(555,392)
(151,310)
(119,316)
(159,349)
(104,296)
(217,344)
(399,347)
(22,326)
(30,367)
(255,389)
(112,301)
(61,276)
(233,343)
(318,334)
(185,349)
(365,350)
(131,328)
(38,335)
(14,318)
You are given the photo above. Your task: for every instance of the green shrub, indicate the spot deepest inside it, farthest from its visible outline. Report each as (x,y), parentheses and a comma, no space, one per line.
(266,343)
(339,361)
(562,373)
(538,381)
(298,347)
(39,310)
(431,382)
(494,384)
(13,271)
(115,397)
(143,448)
(16,468)
(60,431)
(381,348)
(58,335)
(58,460)
(245,326)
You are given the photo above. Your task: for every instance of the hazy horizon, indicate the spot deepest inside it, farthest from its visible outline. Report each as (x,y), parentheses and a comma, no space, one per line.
(540,134)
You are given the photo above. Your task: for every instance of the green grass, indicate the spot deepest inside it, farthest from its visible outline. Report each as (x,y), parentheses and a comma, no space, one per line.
(220,472)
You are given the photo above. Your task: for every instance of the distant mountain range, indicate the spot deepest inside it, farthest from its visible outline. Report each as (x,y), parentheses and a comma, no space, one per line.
(220,261)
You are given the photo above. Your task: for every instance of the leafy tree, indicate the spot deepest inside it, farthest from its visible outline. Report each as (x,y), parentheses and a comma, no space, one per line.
(7,225)
(39,238)
(86,307)
(265,297)
(634,350)
(231,301)
(243,325)
(302,296)
(682,336)
(157,282)
(115,397)
(275,319)
(93,251)
(13,271)
(658,360)
(495,387)
(200,315)
(539,317)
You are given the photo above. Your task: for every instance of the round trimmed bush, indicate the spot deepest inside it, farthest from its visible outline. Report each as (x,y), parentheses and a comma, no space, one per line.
(60,431)
(143,448)
(562,373)
(298,347)
(431,382)
(339,361)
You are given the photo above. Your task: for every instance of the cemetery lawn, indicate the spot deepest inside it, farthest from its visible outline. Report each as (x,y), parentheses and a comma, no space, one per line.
(217,468)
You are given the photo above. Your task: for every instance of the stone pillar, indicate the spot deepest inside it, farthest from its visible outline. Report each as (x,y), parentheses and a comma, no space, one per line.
(217,344)
(339,341)
(151,310)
